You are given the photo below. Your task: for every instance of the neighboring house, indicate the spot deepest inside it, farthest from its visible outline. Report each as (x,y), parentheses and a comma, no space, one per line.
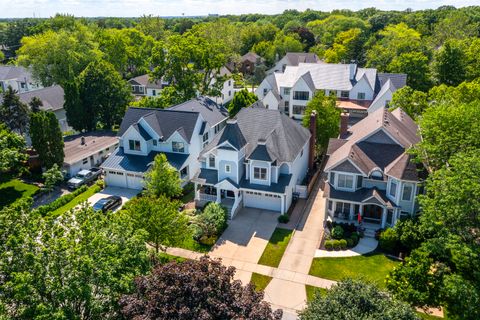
(248,63)
(370,173)
(227,90)
(256,161)
(143,86)
(293,59)
(52,99)
(358,90)
(179,132)
(19,78)
(87,150)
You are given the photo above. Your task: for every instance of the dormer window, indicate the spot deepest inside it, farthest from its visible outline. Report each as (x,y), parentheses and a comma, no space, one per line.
(211,161)
(260,173)
(345,181)
(134,145)
(377,175)
(178,147)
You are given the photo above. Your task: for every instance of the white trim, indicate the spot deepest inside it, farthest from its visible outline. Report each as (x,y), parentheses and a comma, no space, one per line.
(342,160)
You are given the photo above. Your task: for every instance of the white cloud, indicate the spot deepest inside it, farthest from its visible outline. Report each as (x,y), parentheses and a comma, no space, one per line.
(93,8)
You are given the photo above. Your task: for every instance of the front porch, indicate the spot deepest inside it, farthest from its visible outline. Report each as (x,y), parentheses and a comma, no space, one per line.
(230,199)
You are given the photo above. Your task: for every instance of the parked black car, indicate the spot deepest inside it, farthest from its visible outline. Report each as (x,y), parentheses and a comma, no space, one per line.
(108,203)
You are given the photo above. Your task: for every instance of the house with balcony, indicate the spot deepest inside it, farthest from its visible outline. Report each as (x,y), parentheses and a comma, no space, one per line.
(359,91)
(180,132)
(257,160)
(369,173)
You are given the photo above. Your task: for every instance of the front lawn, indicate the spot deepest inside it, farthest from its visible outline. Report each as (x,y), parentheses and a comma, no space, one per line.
(373,267)
(14,190)
(191,244)
(275,248)
(311,292)
(259,281)
(76,201)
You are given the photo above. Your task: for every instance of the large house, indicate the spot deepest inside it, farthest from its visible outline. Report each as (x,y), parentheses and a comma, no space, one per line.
(143,86)
(19,78)
(227,90)
(257,161)
(293,59)
(358,90)
(370,173)
(180,132)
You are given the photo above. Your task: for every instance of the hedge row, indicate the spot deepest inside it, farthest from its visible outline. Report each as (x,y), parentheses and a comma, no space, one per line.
(60,202)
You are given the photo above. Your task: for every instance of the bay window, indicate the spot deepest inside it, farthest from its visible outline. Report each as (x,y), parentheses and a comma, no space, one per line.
(407,192)
(345,181)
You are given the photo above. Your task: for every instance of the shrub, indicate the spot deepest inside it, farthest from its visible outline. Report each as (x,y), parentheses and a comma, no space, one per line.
(329,244)
(283,218)
(343,244)
(60,202)
(337,232)
(388,240)
(354,238)
(336,244)
(350,243)
(210,223)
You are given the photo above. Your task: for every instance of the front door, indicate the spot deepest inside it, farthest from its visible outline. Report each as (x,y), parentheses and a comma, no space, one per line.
(227,194)
(372,213)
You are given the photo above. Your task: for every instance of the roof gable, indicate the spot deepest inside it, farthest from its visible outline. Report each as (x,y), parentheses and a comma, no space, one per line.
(346,166)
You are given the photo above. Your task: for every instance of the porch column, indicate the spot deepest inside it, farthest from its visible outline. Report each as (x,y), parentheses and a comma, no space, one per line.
(384,217)
(219,197)
(282,207)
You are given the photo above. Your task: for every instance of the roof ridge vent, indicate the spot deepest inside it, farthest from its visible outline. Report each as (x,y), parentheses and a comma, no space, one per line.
(262,141)
(232,121)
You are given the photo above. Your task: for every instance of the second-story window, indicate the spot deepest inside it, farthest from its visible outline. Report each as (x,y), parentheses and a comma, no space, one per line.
(134,145)
(178,147)
(299,109)
(344,94)
(211,161)
(228,168)
(393,189)
(286,91)
(260,173)
(154,141)
(407,192)
(301,95)
(361,95)
(265,90)
(205,139)
(345,181)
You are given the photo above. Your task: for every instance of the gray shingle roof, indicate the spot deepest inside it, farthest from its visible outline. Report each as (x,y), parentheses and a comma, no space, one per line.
(404,168)
(210,111)
(145,135)
(233,135)
(361,195)
(207,176)
(9,72)
(399,80)
(52,97)
(165,122)
(119,160)
(294,58)
(261,153)
(279,187)
(283,137)
(250,56)
(145,80)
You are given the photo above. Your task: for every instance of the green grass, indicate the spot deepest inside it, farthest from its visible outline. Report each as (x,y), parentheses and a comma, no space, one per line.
(311,291)
(13,190)
(373,267)
(76,201)
(191,244)
(259,281)
(166,258)
(275,248)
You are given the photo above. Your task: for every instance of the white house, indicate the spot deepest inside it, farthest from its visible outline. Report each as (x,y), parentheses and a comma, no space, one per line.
(19,78)
(255,161)
(293,59)
(358,90)
(179,132)
(227,91)
(370,173)
(143,86)
(87,150)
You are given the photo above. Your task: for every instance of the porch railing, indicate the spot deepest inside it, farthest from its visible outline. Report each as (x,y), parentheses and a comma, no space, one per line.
(206,197)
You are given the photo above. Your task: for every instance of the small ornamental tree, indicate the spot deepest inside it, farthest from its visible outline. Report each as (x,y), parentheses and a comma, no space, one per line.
(13,150)
(159,216)
(52,176)
(163,178)
(328,118)
(241,99)
(35,104)
(203,289)
(354,299)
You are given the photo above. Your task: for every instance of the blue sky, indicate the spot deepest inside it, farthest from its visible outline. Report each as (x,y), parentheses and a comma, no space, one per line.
(131,8)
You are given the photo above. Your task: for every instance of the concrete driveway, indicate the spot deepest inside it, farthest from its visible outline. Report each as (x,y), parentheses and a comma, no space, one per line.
(245,238)
(125,194)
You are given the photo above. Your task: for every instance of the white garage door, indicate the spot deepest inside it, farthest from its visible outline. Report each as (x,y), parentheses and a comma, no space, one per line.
(262,200)
(115,179)
(134,181)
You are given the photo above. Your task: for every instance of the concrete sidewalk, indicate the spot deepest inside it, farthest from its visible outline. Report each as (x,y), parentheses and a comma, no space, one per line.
(364,246)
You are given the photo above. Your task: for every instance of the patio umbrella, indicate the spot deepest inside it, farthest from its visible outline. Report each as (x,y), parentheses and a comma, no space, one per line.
(359,218)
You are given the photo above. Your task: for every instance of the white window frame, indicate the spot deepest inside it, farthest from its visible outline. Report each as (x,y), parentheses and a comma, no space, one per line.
(342,177)
(260,173)
(210,159)
(344,94)
(134,145)
(411,191)
(358,95)
(228,168)
(176,148)
(394,195)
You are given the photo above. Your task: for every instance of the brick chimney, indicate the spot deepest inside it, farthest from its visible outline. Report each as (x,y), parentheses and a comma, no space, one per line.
(313,140)
(343,125)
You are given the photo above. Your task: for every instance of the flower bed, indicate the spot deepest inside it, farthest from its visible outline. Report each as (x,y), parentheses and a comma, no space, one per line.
(341,236)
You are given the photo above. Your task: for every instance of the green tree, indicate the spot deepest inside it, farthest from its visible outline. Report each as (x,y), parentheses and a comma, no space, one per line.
(52,177)
(473,58)
(162,178)
(241,99)
(348,46)
(449,63)
(78,115)
(328,118)
(152,26)
(160,218)
(415,65)
(327,29)
(411,101)
(35,104)
(13,155)
(58,57)
(75,266)
(210,223)
(47,138)
(104,93)
(447,129)
(13,112)
(354,299)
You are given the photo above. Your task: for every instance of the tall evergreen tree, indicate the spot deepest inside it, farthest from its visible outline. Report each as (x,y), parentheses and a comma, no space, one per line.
(13,112)
(35,104)
(47,138)
(78,118)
